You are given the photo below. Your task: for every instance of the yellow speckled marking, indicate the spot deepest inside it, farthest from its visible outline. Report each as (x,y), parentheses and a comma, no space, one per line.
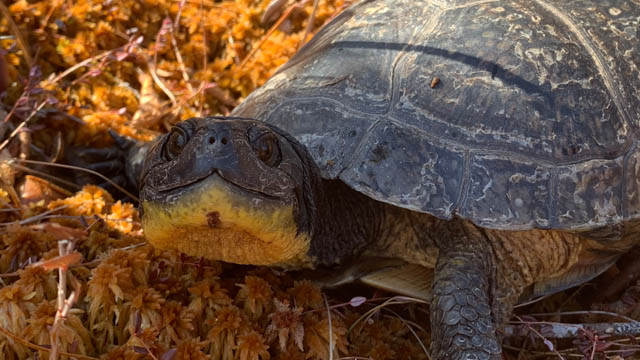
(250,230)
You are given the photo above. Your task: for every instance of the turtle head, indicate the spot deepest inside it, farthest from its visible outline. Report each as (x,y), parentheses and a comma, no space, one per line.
(230,189)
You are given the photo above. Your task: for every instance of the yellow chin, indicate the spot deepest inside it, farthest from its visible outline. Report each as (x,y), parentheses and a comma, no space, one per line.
(218,221)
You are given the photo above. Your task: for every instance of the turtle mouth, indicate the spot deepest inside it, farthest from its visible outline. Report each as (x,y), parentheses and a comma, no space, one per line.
(167,191)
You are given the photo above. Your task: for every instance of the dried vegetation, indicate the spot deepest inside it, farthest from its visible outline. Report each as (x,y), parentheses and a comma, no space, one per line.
(77,279)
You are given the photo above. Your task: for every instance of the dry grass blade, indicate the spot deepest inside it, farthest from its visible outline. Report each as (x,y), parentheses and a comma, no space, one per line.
(532,301)
(326,304)
(161,85)
(30,345)
(410,326)
(81,169)
(546,341)
(396,300)
(45,175)
(183,69)
(99,57)
(307,31)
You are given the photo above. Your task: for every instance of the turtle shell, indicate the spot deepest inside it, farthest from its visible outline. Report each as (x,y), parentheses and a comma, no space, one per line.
(532,123)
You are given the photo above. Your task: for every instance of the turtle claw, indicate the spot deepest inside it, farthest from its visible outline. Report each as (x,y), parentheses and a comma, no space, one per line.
(122,142)
(107,167)
(120,180)
(91,154)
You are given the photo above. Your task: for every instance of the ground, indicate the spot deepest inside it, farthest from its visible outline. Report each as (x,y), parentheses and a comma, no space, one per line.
(76,276)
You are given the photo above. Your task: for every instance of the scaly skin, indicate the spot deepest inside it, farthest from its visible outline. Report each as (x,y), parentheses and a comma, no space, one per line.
(463,316)
(462,326)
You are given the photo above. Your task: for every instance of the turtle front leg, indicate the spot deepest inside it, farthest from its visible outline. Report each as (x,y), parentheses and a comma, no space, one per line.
(463,325)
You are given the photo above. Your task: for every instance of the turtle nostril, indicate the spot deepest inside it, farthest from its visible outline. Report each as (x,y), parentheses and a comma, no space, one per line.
(224,141)
(212,140)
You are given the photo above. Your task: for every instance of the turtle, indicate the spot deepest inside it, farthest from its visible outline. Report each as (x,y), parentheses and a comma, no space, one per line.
(492,141)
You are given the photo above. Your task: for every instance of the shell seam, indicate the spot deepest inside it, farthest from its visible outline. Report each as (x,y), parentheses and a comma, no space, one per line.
(466,180)
(441,141)
(403,54)
(625,164)
(492,151)
(597,57)
(553,197)
(359,147)
(471,4)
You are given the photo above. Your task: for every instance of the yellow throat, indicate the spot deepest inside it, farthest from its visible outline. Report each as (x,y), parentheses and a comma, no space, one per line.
(218,221)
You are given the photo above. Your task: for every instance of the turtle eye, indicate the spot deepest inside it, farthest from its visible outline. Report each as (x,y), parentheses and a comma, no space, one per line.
(267,149)
(175,143)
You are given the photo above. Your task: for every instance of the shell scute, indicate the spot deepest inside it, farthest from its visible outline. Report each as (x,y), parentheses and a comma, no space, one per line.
(590,193)
(508,193)
(398,166)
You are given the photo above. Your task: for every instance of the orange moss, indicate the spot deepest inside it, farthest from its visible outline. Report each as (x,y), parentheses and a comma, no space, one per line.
(21,243)
(316,338)
(252,347)
(306,295)
(91,200)
(255,296)
(226,324)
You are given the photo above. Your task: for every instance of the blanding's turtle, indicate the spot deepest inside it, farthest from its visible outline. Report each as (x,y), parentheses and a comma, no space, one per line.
(494,141)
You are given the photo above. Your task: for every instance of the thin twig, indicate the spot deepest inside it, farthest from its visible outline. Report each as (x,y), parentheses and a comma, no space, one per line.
(52,9)
(565,352)
(65,247)
(176,22)
(273,28)
(589,312)
(164,29)
(126,47)
(22,125)
(183,69)
(563,331)
(37,217)
(82,63)
(204,53)
(18,35)
(33,346)
(184,100)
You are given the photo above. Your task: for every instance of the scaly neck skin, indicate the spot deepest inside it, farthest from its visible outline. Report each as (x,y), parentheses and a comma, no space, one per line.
(346,222)
(350,224)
